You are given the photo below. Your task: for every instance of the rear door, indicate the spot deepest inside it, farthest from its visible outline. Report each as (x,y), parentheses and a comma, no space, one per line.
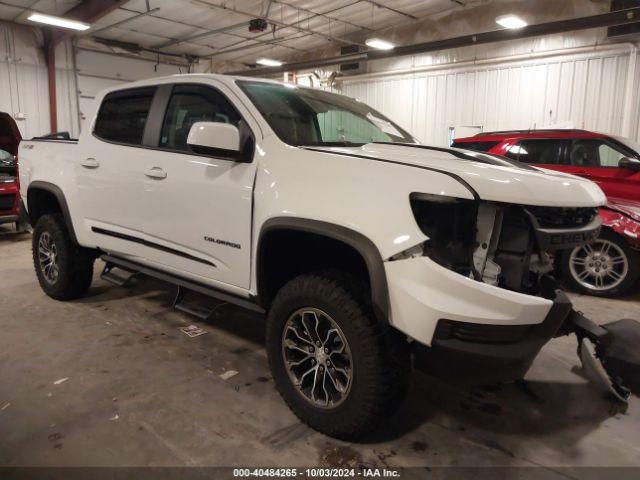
(544,152)
(110,172)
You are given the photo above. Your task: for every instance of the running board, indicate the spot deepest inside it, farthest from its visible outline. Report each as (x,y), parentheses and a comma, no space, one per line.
(199,311)
(111,277)
(182,284)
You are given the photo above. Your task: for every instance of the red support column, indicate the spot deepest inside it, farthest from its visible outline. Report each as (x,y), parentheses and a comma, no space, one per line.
(50,58)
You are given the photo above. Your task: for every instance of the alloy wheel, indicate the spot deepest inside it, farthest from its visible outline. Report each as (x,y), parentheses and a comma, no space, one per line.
(48,258)
(601,266)
(317,357)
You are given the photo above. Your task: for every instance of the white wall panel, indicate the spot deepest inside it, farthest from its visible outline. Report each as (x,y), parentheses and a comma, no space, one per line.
(23,80)
(585,90)
(20,86)
(97,71)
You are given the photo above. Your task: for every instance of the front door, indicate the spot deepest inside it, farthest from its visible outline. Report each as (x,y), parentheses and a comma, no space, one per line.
(199,207)
(598,160)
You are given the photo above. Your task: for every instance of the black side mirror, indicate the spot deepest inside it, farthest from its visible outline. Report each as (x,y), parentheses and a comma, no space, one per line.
(629,164)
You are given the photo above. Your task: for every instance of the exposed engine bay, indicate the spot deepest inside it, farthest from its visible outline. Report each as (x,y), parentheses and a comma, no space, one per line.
(500,244)
(511,246)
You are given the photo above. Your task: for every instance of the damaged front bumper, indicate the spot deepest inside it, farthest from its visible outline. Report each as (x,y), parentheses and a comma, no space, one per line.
(477,296)
(469,330)
(422,292)
(489,353)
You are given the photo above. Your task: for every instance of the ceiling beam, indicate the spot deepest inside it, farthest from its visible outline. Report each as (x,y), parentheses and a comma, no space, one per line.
(394,10)
(315,14)
(278,23)
(122,22)
(281,41)
(199,36)
(229,33)
(89,11)
(620,17)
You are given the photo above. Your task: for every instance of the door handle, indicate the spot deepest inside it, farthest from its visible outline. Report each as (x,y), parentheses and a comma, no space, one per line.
(156,172)
(90,163)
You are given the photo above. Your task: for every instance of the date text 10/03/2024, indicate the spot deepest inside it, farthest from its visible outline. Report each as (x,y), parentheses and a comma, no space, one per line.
(316,473)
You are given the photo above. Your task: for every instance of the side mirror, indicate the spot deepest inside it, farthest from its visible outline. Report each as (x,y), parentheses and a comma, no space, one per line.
(215,139)
(629,164)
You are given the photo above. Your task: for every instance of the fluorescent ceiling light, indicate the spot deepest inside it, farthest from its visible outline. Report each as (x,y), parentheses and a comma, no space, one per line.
(379,44)
(511,21)
(57,21)
(268,62)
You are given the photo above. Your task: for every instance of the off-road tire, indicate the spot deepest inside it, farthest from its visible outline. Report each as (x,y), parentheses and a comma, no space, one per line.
(633,273)
(75,264)
(381,360)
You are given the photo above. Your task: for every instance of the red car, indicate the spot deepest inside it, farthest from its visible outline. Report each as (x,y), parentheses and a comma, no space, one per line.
(612,264)
(9,185)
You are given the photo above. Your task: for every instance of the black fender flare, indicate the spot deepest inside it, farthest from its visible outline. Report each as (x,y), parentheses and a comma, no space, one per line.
(62,201)
(363,245)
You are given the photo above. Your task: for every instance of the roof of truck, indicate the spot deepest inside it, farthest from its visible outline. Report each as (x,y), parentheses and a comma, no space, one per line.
(227,79)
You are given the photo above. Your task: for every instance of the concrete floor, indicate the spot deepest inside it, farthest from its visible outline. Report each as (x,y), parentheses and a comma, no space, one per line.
(110,380)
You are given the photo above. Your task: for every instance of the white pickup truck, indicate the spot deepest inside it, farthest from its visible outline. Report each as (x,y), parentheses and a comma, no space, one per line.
(365,248)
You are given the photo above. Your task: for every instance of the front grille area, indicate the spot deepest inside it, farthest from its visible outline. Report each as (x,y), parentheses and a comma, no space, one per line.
(6,202)
(558,217)
(479,333)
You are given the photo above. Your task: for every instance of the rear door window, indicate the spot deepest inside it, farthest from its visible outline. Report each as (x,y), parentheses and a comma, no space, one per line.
(123,115)
(547,151)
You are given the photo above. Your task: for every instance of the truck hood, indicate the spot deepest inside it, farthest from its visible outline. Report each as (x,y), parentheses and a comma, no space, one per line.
(492,178)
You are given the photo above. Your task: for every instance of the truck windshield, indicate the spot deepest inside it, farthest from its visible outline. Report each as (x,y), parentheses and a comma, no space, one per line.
(304,116)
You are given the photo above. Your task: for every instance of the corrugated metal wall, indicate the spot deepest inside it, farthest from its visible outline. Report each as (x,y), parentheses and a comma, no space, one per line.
(584,90)
(97,71)
(23,80)
(635,126)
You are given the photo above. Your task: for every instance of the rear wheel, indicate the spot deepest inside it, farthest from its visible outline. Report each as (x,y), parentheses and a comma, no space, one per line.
(337,368)
(64,269)
(607,267)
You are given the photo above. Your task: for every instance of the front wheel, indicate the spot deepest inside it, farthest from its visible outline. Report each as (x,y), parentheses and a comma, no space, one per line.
(338,369)
(605,268)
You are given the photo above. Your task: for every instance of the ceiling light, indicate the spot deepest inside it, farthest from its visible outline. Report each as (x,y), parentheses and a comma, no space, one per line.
(268,62)
(511,21)
(379,44)
(57,21)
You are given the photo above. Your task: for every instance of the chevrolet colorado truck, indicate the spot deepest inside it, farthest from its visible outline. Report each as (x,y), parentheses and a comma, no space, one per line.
(366,250)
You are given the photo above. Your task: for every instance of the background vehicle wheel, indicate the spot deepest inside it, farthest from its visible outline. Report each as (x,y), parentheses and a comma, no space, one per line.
(64,269)
(608,267)
(338,369)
